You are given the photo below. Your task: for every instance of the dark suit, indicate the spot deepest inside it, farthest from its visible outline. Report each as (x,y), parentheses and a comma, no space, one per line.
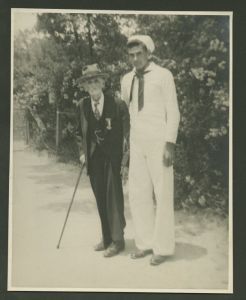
(103,155)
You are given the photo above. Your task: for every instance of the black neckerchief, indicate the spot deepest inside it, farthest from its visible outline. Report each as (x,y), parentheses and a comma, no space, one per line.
(137,74)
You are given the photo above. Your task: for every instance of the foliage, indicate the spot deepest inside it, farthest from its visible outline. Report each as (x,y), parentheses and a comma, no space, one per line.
(195,49)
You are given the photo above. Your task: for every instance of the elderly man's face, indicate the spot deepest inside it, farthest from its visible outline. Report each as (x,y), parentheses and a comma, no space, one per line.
(94,87)
(138,56)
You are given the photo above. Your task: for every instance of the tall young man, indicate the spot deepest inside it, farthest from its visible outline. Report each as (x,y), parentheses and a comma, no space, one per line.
(150,93)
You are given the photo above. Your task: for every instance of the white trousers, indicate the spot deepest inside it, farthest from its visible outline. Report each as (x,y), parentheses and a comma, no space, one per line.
(153,222)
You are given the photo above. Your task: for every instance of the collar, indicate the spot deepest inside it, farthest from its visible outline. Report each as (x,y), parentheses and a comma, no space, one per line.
(149,68)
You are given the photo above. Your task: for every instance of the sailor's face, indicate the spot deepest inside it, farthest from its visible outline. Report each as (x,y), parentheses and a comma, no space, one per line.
(138,56)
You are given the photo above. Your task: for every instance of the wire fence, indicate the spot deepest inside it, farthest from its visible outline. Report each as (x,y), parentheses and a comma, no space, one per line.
(29,126)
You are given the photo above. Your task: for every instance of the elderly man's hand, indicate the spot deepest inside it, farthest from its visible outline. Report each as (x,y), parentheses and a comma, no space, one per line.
(168,155)
(82,159)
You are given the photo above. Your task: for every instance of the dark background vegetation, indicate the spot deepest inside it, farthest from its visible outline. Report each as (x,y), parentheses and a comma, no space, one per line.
(48,62)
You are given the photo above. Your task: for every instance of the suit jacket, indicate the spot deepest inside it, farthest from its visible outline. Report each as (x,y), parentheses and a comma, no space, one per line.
(114,109)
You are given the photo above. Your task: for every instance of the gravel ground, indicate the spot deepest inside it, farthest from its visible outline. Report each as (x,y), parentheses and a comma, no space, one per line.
(42,189)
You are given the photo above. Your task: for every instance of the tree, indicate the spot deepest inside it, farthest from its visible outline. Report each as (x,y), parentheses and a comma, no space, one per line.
(48,64)
(196,50)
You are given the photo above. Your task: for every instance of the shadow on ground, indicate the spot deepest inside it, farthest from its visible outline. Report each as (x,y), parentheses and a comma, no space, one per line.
(187,251)
(183,251)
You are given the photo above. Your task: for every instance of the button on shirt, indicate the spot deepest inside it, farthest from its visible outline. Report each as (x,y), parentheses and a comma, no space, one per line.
(99,106)
(159,117)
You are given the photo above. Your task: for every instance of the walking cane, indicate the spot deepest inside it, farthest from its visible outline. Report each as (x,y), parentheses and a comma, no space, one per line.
(70,205)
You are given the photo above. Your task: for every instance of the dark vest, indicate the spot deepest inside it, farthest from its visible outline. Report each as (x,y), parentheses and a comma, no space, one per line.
(96,129)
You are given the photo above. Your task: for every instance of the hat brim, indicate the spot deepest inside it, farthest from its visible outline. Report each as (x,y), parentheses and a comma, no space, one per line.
(84,78)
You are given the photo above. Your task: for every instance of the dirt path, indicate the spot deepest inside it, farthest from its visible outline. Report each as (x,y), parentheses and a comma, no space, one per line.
(42,191)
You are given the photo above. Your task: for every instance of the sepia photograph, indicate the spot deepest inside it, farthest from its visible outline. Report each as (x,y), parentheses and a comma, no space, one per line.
(121,151)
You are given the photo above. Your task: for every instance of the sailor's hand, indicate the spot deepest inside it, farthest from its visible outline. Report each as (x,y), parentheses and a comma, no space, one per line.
(168,155)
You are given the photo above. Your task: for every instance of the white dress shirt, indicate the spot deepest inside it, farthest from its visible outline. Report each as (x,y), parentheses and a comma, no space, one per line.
(160,114)
(99,106)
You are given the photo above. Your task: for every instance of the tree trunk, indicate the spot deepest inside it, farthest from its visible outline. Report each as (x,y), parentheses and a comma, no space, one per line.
(36,117)
(90,41)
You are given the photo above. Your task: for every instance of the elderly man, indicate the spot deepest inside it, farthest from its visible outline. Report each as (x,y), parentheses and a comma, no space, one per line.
(150,93)
(104,122)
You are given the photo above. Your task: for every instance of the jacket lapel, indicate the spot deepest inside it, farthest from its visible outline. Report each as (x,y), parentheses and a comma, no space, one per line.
(109,108)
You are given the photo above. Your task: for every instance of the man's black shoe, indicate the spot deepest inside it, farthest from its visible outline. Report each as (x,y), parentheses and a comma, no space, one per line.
(114,248)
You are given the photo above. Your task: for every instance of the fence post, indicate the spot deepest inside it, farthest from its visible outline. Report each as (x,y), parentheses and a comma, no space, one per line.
(57,129)
(27,121)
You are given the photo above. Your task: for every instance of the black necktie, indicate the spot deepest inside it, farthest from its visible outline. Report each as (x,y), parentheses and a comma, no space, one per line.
(96,111)
(140,76)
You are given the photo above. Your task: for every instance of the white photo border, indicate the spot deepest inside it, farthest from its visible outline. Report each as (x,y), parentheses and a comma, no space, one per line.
(10,287)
